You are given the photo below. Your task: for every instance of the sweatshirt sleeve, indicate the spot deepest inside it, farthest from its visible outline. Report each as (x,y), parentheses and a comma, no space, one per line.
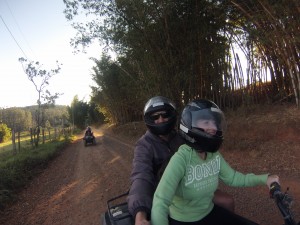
(143,184)
(166,190)
(232,177)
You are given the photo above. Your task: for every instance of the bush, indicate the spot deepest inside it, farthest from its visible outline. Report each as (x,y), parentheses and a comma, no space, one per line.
(17,170)
(5,133)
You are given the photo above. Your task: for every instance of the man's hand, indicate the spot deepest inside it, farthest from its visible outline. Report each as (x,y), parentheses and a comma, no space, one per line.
(271,179)
(141,219)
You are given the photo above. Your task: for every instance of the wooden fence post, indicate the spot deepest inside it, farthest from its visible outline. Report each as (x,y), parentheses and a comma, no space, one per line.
(31,136)
(19,142)
(13,139)
(43,134)
(49,134)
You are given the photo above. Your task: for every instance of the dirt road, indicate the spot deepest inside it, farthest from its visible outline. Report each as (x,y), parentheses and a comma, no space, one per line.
(75,187)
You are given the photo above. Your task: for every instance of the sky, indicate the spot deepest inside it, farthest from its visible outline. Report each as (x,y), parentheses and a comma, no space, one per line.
(38,30)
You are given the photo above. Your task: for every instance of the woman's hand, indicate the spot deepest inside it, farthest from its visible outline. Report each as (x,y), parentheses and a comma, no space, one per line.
(271,179)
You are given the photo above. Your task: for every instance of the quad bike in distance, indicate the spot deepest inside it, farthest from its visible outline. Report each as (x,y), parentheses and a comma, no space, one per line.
(117,211)
(89,140)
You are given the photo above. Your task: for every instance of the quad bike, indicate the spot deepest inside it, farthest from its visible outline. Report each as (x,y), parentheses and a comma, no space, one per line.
(89,140)
(117,211)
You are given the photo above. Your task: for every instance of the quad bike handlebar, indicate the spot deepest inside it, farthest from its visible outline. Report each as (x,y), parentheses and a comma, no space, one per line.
(284,202)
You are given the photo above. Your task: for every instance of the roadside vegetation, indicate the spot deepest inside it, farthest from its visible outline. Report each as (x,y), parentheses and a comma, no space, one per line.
(5,133)
(16,170)
(26,149)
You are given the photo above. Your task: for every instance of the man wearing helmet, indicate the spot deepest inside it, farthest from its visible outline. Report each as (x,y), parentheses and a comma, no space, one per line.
(185,192)
(88,132)
(151,152)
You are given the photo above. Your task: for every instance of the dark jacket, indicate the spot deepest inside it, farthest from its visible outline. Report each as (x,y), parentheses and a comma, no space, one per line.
(150,154)
(88,133)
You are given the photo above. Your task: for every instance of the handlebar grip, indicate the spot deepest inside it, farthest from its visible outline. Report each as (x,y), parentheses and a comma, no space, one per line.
(283,201)
(274,188)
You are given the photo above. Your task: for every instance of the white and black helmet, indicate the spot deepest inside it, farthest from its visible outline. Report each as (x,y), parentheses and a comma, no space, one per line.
(156,104)
(195,137)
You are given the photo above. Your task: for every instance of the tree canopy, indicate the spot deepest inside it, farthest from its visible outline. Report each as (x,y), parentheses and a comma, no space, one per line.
(40,77)
(187,49)
(17,119)
(83,114)
(5,132)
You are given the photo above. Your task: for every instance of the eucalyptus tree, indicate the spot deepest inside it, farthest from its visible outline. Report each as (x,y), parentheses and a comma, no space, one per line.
(117,96)
(78,111)
(40,77)
(95,115)
(57,116)
(17,119)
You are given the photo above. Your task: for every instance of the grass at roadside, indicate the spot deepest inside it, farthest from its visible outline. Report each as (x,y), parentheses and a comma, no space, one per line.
(16,170)
(24,140)
(6,148)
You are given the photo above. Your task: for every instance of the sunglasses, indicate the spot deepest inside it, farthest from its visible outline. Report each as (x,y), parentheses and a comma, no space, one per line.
(163,115)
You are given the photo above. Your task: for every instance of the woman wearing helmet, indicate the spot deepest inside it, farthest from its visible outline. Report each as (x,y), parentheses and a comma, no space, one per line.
(151,154)
(202,125)
(185,192)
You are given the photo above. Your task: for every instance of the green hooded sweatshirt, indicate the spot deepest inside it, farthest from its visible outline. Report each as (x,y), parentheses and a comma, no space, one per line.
(187,187)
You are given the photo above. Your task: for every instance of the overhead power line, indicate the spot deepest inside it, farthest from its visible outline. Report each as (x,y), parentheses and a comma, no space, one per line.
(13,37)
(16,22)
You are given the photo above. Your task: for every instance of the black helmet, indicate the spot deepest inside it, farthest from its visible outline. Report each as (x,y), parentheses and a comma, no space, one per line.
(159,103)
(196,137)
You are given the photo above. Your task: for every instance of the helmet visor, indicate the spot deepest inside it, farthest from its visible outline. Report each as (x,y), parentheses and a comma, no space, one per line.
(209,119)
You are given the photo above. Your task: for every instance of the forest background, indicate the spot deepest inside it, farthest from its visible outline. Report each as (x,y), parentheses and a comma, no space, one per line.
(181,50)
(188,49)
